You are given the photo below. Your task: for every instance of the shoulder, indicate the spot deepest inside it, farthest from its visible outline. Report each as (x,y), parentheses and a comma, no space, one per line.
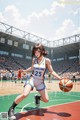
(34,60)
(48,61)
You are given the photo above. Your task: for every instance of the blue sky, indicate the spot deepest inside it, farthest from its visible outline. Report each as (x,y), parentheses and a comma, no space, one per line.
(50,19)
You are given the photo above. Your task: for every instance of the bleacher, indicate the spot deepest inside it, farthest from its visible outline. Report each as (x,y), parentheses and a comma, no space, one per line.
(14,63)
(66,68)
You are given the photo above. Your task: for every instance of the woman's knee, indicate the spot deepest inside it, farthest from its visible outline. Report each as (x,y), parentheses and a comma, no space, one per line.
(24,95)
(26,91)
(45,100)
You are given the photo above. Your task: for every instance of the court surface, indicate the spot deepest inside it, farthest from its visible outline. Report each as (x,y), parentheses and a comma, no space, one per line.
(70,111)
(61,105)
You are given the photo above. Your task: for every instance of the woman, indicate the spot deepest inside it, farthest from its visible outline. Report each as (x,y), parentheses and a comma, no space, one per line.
(39,65)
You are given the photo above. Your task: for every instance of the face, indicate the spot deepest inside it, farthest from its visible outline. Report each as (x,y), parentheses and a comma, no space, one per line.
(37,53)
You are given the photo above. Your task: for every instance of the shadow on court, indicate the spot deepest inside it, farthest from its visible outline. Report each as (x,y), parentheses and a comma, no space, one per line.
(39,113)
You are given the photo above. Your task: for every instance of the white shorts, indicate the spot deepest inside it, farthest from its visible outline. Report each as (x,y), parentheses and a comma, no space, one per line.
(38,84)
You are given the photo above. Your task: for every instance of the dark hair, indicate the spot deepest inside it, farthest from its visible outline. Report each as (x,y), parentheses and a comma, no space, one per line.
(39,46)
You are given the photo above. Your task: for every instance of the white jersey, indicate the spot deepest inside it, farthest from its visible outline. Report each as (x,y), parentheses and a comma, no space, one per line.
(39,69)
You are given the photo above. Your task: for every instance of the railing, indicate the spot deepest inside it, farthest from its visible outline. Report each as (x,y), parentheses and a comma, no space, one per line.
(36,39)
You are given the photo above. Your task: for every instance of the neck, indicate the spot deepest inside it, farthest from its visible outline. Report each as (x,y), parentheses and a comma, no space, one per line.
(40,58)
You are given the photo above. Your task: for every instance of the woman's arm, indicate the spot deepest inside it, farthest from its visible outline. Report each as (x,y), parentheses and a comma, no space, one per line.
(49,66)
(30,68)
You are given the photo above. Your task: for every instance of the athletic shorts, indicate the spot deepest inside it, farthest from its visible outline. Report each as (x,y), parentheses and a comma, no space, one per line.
(38,84)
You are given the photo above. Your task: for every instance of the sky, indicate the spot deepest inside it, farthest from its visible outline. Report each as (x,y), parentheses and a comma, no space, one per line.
(50,19)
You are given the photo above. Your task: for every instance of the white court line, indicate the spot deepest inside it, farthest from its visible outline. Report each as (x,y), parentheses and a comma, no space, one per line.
(62,99)
(25,106)
(72,95)
(62,104)
(50,105)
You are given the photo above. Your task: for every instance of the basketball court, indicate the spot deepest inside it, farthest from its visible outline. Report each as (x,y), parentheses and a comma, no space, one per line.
(55,112)
(30,30)
(61,105)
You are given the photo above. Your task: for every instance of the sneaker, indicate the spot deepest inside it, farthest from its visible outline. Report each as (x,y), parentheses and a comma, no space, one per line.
(37,100)
(11,114)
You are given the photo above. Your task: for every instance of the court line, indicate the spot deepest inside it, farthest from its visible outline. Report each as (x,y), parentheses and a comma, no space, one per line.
(25,106)
(48,106)
(71,95)
(62,104)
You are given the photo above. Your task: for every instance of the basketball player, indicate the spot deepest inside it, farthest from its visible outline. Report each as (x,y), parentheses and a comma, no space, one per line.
(13,76)
(19,77)
(74,79)
(39,65)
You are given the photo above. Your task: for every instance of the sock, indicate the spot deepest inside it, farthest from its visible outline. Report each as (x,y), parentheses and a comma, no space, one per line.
(13,105)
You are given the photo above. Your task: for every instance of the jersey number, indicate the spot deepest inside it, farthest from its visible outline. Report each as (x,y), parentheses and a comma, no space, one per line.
(38,73)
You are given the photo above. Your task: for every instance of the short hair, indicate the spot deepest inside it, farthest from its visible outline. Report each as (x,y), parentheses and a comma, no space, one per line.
(40,47)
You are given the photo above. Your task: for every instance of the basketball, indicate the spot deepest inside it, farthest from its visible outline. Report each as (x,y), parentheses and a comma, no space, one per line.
(65,85)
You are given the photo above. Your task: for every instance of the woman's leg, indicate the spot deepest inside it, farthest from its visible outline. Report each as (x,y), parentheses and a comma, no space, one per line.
(44,95)
(25,93)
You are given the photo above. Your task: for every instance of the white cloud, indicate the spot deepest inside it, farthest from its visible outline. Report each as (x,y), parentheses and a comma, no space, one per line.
(33,22)
(12,10)
(2,17)
(14,18)
(46,12)
(11,15)
(75,12)
(66,29)
(57,4)
(41,23)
